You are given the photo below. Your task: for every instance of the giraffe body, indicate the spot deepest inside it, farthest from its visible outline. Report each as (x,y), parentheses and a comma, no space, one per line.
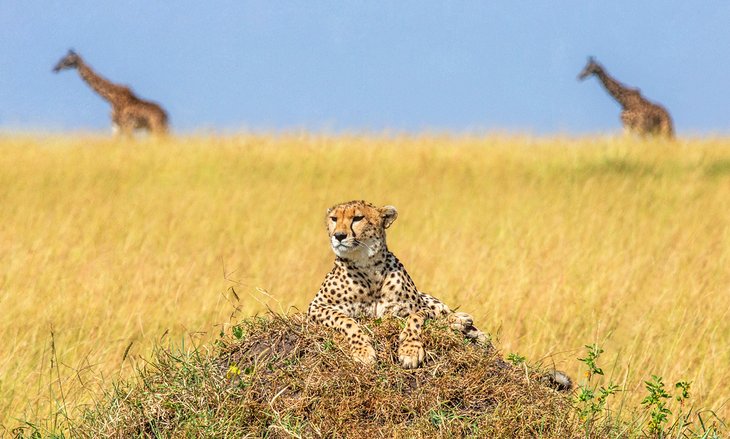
(638,115)
(129,112)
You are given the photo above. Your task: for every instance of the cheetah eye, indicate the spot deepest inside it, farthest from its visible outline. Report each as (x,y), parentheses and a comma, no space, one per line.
(334,219)
(357,218)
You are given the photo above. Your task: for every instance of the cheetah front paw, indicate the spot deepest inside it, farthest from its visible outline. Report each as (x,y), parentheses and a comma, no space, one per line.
(464,323)
(461,321)
(364,354)
(411,354)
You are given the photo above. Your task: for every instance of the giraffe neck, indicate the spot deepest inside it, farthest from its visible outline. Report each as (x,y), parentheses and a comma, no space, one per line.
(619,92)
(103,87)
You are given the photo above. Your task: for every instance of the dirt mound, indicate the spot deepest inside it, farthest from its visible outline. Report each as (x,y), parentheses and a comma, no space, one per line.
(280,376)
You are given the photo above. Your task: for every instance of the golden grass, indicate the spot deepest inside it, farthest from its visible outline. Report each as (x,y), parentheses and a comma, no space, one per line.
(550,243)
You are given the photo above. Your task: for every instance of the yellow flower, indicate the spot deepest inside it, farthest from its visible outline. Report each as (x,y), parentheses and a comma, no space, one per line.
(233,371)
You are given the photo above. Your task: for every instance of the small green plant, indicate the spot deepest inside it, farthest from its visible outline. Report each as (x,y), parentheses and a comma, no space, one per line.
(590,399)
(328,345)
(591,403)
(656,403)
(683,387)
(438,417)
(444,415)
(237,332)
(590,360)
(291,424)
(516,358)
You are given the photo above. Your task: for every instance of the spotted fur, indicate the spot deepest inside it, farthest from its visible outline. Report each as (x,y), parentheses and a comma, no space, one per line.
(369,281)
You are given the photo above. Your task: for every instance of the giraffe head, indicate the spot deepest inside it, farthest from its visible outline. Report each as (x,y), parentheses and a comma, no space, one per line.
(70,61)
(591,68)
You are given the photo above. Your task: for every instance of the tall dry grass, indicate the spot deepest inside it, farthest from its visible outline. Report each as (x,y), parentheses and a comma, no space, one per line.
(550,243)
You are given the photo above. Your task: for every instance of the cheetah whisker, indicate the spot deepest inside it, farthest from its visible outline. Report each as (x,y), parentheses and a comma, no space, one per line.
(362,244)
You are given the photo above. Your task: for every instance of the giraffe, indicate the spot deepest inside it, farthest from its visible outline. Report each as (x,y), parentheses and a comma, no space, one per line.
(638,114)
(128,111)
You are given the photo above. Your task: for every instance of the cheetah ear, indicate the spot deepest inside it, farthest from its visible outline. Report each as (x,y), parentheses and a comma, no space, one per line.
(327,218)
(388,214)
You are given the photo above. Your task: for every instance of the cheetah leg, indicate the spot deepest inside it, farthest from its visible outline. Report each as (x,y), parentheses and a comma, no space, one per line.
(459,321)
(410,350)
(464,323)
(360,347)
(435,307)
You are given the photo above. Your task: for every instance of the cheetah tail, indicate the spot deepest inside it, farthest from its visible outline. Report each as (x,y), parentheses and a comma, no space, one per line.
(558,380)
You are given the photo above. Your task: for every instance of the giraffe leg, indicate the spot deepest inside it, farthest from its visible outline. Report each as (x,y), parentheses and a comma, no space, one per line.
(127,130)
(666,128)
(630,122)
(127,124)
(122,124)
(158,126)
(116,129)
(410,349)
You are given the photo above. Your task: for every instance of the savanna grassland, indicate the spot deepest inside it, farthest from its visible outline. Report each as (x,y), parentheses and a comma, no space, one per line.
(108,247)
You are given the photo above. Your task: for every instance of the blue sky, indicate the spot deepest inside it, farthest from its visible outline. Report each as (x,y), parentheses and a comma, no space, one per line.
(460,66)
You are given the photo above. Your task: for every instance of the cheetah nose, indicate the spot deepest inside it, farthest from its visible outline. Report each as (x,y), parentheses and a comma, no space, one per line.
(340,236)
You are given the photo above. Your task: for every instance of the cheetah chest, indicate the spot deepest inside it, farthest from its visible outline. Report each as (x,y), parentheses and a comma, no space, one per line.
(375,293)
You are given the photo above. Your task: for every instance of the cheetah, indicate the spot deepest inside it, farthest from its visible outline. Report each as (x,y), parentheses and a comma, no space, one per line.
(369,281)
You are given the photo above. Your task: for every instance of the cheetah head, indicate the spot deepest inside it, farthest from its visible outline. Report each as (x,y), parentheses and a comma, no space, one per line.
(591,68)
(357,229)
(70,61)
